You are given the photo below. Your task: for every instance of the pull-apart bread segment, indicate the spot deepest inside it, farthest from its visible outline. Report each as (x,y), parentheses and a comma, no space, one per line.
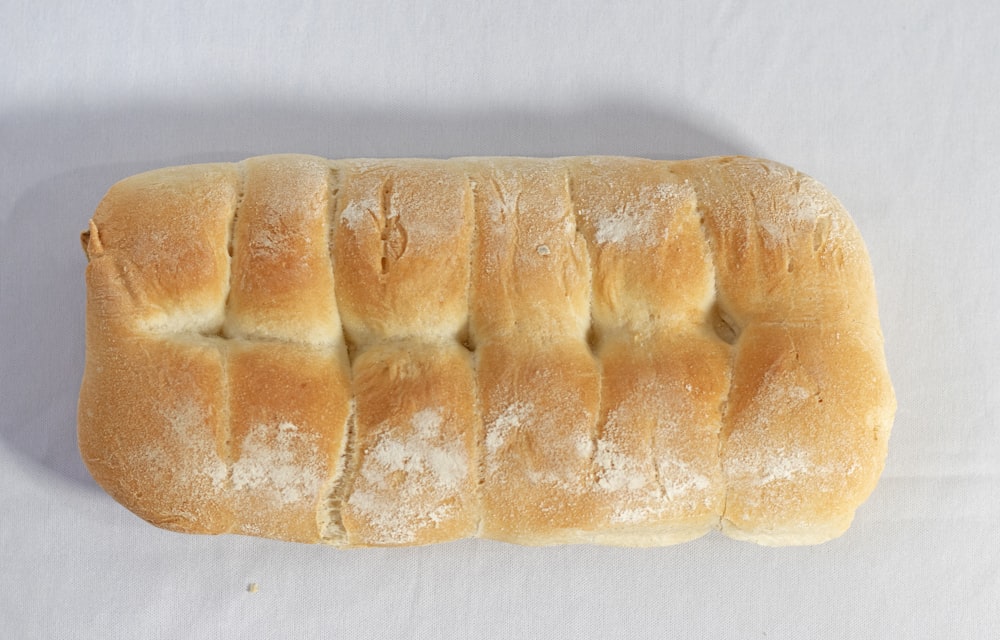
(540,351)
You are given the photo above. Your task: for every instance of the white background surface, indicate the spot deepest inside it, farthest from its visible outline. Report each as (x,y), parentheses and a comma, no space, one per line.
(892,105)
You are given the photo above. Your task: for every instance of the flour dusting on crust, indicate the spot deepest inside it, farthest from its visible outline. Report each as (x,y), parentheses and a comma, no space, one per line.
(280,462)
(411,479)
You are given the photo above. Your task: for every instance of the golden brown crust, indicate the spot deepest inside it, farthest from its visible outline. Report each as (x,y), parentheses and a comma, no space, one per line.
(530,271)
(806,432)
(416,454)
(401,249)
(657,459)
(393,352)
(167,232)
(539,404)
(282,285)
(288,410)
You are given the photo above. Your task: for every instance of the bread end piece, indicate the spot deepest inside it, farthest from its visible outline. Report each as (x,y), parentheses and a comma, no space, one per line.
(810,409)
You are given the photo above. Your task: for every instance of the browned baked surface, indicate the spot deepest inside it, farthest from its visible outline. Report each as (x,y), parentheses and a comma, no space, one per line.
(542,351)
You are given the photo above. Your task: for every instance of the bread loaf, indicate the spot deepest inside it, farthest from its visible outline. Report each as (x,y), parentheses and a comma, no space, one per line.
(540,351)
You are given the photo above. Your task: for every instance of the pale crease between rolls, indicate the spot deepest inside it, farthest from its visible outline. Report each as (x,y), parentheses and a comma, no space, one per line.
(541,351)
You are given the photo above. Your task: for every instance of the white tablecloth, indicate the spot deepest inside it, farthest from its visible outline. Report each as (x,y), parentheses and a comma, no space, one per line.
(892,105)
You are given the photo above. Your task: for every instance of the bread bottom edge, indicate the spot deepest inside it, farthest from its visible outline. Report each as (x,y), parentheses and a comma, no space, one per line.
(801,535)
